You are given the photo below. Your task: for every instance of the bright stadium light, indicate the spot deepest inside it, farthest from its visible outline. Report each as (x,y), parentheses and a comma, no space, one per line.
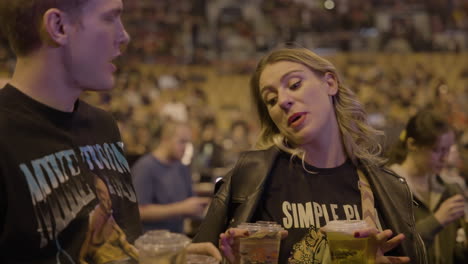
(329,4)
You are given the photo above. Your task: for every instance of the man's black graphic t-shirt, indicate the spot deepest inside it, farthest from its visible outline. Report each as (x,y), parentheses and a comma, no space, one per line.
(66,194)
(302,202)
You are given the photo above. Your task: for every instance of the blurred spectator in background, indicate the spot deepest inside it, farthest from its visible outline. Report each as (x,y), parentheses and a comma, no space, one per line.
(464,156)
(450,173)
(164,185)
(210,154)
(419,157)
(236,141)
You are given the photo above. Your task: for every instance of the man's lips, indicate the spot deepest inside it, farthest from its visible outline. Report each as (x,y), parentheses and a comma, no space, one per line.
(296,119)
(113,61)
(113,67)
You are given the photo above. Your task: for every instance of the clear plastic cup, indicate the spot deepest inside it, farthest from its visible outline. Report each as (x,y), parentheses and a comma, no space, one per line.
(262,244)
(344,247)
(201,259)
(162,247)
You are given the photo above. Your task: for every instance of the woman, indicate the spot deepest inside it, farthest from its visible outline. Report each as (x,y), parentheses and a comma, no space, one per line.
(318,161)
(419,157)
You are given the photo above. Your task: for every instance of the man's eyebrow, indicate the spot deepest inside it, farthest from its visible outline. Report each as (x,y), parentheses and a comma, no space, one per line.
(268,87)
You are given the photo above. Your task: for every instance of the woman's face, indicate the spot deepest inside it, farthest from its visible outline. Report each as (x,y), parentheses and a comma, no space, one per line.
(435,157)
(298,101)
(103,195)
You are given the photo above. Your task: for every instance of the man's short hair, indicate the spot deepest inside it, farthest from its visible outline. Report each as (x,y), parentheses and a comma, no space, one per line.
(169,126)
(21,20)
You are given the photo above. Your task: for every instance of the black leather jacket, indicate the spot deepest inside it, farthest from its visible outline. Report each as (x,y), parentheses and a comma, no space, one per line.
(237,198)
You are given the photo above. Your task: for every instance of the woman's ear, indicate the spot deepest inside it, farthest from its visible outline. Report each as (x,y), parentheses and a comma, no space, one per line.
(410,144)
(331,82)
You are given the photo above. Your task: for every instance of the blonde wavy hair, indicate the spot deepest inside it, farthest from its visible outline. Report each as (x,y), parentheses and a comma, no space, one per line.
(360,140)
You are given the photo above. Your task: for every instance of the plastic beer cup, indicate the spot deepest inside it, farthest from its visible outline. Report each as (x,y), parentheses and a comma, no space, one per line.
(262,244)
(201,259)
(162,247)
(344,247)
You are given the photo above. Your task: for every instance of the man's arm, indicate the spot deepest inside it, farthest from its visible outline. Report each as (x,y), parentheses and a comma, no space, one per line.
(190,207)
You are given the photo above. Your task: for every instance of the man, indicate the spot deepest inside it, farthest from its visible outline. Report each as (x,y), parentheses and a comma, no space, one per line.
(164,185)
(53,144)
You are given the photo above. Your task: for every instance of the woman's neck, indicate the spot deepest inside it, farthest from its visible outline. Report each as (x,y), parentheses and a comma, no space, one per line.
(326,152)
(416,173)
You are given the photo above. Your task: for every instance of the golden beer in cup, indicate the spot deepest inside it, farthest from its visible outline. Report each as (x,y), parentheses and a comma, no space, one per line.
(344,247)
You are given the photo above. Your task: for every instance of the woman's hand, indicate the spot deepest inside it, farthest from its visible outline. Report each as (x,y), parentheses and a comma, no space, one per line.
(205,248)
(229,242)
(384,243)
(450,210)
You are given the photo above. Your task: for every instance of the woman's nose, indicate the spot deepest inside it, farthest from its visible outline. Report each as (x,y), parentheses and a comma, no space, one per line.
(285,101)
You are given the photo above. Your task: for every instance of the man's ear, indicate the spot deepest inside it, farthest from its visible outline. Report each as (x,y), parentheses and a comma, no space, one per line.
(331,82)
(54,27)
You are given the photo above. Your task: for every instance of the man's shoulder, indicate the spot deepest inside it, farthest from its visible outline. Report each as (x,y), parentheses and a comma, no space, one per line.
(94,117)
(145,161)
(7,111)
(94,111)
(5,98)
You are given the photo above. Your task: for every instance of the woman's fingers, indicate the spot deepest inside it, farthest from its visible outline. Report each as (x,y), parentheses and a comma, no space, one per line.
(384,242)
(228,253)
(362,233)
(392,243)
(383,236)
(227,246)
(229,242)
(284,234)
(394,260)
(232,233)
(236,232)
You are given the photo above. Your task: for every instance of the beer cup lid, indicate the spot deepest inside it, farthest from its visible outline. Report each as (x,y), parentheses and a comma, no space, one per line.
(161,241)
(345,226)
(261,227)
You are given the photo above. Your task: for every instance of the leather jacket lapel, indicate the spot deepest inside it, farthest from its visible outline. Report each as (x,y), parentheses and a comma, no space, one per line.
(391,194)
(254,170)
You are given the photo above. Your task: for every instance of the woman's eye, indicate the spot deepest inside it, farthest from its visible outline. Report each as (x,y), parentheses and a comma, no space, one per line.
(295,85)
(271,101)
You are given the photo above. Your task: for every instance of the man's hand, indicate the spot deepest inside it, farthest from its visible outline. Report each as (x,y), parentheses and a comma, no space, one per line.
(194,206)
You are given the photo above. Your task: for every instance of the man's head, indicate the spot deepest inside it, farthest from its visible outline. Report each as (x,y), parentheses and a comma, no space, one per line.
(21,21)
(80,38)
(174,137)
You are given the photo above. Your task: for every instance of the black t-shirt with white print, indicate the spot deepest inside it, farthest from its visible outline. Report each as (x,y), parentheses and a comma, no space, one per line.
(302,202)
(66,194)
